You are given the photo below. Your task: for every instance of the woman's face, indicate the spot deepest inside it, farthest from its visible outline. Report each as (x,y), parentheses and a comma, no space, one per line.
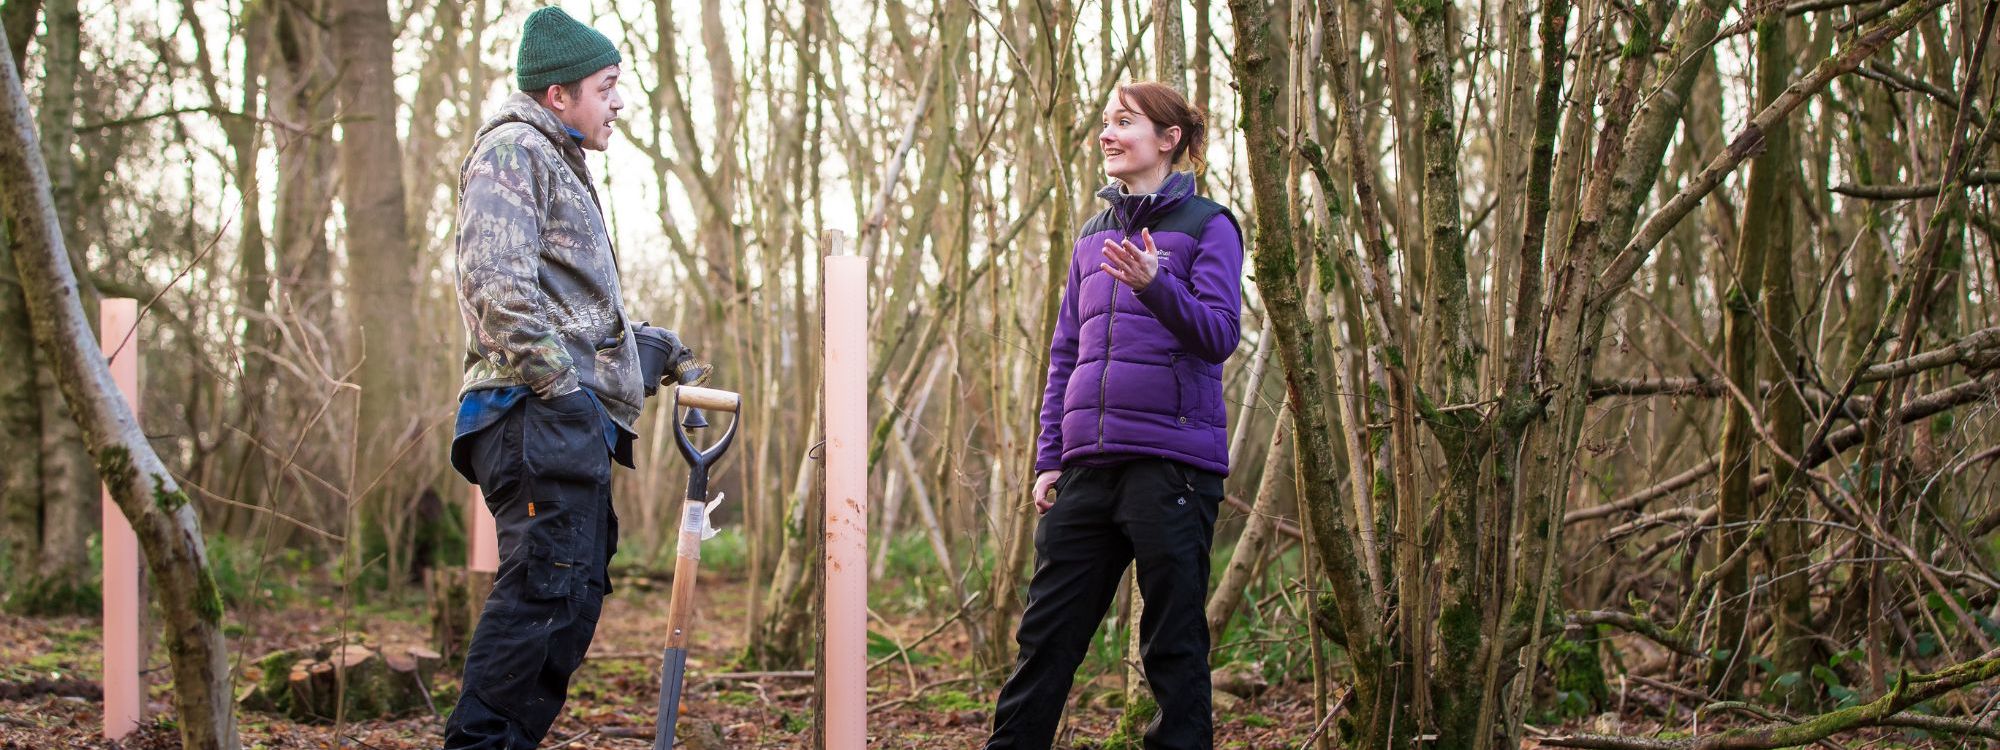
(1132,143)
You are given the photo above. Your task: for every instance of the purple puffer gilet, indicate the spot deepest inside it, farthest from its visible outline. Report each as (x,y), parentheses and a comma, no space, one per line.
(1141,374)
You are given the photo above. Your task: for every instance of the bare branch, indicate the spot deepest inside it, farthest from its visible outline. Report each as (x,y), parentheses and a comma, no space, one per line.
(1913,192)
(1751,140)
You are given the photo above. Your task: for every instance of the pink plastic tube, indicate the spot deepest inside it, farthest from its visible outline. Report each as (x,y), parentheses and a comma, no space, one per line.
(845,652)
(124,694)
(484,553)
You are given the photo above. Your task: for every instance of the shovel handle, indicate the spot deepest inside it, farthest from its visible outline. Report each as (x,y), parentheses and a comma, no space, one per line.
(712,399)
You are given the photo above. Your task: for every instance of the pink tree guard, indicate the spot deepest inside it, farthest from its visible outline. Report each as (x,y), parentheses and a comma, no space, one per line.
(483,548)
(124,694)
(845,652)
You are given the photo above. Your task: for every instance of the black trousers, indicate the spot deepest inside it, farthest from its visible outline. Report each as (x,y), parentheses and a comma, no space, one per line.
(1160,513)
(547,478)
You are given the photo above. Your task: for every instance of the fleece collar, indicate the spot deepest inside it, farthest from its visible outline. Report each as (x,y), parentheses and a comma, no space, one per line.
(1134,211)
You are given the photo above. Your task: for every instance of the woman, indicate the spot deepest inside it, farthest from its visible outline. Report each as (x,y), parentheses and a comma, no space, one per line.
(1133,450)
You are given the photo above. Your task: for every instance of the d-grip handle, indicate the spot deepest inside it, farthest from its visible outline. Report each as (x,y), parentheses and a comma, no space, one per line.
(712,399)
(700,459)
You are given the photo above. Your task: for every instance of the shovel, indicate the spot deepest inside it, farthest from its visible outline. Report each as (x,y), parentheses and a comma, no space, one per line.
(695,527)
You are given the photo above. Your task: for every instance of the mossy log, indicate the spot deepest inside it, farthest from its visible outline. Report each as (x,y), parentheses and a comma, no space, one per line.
(309,684)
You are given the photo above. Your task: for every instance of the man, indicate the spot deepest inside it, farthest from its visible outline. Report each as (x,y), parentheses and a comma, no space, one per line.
(553,379)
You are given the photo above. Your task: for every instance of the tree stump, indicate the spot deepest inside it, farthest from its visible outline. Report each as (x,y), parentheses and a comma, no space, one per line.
(311,683)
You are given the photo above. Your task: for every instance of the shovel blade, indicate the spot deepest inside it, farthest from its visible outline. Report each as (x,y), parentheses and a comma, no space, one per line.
(673,670)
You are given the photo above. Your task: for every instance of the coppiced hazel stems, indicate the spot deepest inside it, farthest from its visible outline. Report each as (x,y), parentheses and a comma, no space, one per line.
(1750,140)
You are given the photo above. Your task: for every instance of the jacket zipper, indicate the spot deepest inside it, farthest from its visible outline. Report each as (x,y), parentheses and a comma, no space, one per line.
(1104,375)
(1110,327)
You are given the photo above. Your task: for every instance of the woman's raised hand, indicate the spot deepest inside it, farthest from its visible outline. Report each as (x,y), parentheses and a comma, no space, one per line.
(1134,265)
(1045,495)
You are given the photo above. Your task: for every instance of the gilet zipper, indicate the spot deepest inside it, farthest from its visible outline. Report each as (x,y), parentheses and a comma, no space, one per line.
(1110,327)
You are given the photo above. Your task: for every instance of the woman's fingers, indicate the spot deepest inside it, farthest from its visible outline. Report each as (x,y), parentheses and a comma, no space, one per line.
(1127,262)
(1116,261)
(1045,483)
(1117,273)
(1116,252)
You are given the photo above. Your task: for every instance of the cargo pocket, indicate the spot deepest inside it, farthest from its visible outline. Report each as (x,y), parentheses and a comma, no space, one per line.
(564,439)
(567,469)
(548,576)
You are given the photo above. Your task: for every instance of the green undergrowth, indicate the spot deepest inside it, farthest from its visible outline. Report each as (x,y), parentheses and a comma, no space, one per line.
(912,580)
(952,701)
(251,575)
(35,596)
(70,653)
(29,594)
(1268,632)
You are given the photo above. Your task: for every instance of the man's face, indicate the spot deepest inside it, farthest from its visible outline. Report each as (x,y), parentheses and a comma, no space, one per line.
(593,109)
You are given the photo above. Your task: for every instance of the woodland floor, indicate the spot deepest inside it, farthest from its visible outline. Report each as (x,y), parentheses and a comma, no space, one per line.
(49,696)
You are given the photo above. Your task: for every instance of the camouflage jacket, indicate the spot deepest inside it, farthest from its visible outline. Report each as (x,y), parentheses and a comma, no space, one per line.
(537,275)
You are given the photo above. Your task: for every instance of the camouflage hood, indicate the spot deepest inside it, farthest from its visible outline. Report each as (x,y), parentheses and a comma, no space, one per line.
(537,274)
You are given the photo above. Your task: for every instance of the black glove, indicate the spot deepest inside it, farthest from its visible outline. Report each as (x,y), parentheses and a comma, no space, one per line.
(663,358)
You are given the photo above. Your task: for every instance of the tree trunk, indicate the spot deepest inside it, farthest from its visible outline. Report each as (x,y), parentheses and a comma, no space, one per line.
(1763,234)
(69,488)
(20,433)
(1252,544)
(245,139)
(1170,62)
(382,264)
(1017,540)
(20,18)
(168,531)
(1875,161)
(1260,64)
(300,74)
(20,410)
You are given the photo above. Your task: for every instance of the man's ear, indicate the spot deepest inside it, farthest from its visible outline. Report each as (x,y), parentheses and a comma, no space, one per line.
(557,97)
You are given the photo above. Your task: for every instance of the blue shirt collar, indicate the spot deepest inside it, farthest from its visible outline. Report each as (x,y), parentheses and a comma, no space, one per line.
(574,134)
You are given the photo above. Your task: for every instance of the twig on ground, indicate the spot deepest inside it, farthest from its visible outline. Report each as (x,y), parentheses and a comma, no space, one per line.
(1331,712)
(572,740)
(963,609)
(927,687)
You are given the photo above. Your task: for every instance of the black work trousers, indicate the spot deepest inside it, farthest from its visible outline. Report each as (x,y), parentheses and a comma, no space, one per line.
(547,478)
(1160,513)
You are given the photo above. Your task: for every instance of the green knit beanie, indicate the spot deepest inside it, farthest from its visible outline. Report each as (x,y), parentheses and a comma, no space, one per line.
(556,49)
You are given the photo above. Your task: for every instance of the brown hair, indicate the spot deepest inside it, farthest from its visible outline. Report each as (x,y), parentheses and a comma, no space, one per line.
(1167,108)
